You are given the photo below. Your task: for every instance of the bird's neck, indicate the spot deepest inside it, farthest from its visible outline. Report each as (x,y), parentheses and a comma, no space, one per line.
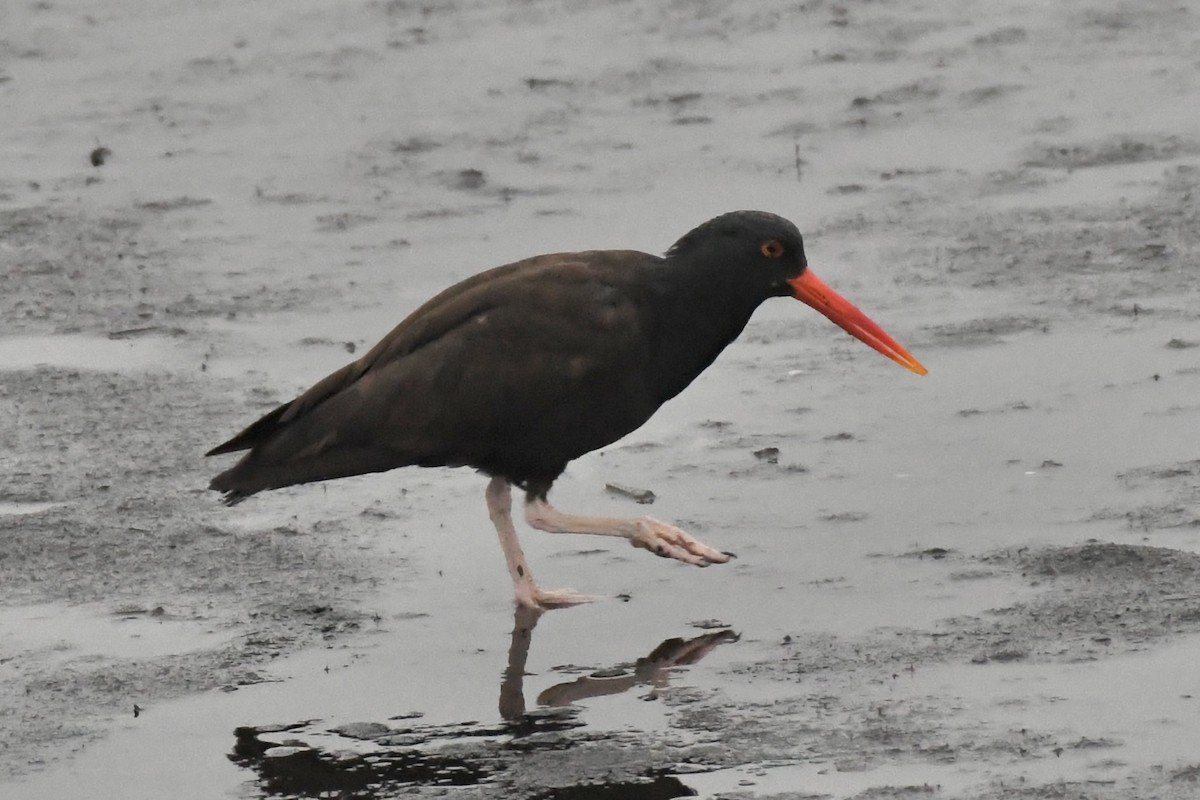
(697,318)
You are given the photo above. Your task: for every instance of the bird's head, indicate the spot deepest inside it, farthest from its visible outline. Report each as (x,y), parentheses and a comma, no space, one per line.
(771,250)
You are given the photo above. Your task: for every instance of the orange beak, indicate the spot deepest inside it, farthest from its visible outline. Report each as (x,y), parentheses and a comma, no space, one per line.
(811,290)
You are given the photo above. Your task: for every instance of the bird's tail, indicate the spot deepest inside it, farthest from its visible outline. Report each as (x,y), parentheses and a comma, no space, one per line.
(265,468)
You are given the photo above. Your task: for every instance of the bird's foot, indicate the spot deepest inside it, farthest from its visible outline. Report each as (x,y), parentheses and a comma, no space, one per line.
(670,542)
(537,599)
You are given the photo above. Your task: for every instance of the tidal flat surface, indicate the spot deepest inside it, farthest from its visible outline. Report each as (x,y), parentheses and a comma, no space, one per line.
(976,584)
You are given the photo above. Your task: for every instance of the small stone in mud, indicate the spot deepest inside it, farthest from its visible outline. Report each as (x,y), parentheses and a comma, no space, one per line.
(408,715)
(936,553)
(99,155)
(1003,656)
(538,84)
(363,730)
(643,496)
(768,454)
(708,624)
(469,179)
(286,751)
(845,516)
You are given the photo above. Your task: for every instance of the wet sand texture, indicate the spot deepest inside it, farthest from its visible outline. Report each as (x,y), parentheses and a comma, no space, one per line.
(978,584)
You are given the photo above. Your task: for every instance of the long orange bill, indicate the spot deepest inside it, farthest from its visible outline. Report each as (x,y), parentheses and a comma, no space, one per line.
(811,290)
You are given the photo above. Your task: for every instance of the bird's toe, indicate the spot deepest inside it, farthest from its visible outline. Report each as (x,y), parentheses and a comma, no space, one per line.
(546,599)
(667,541)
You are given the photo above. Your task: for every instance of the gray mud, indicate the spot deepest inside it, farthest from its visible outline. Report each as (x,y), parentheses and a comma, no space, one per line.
(104,498)
(976,585)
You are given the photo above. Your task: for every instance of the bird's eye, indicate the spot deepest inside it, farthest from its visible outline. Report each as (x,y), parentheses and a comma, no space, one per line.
(772,248)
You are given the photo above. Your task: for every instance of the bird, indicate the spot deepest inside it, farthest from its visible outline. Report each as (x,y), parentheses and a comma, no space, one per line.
(520,369)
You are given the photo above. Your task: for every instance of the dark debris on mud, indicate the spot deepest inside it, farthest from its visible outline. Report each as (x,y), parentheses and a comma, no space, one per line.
(521,758)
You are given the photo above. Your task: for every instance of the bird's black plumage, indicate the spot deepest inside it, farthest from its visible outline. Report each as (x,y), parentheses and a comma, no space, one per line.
(518,370)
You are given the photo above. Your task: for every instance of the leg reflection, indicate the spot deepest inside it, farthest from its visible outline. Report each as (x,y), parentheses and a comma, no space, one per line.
(512,688)
(653,669)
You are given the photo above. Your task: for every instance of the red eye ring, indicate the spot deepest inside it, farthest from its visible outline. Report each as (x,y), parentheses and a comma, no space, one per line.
(772,248)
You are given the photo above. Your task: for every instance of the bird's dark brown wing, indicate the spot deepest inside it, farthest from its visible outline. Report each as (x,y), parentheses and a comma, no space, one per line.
(515,371)
(434,317)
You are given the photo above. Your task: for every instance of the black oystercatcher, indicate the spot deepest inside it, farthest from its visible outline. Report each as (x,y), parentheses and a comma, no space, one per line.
(520,369)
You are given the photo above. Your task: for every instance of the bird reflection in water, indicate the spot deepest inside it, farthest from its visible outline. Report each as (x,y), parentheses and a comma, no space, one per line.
(652,670)
(305,759)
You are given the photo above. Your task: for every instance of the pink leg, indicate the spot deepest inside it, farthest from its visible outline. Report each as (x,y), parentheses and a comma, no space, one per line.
(645,532)
(499,503)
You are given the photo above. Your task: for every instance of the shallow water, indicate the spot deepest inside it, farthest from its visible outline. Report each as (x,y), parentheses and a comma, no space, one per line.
(181,747)
(89,632)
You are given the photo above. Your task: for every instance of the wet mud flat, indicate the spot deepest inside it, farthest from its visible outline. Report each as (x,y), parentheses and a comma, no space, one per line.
(980,585)
(119,586)
(937,707)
